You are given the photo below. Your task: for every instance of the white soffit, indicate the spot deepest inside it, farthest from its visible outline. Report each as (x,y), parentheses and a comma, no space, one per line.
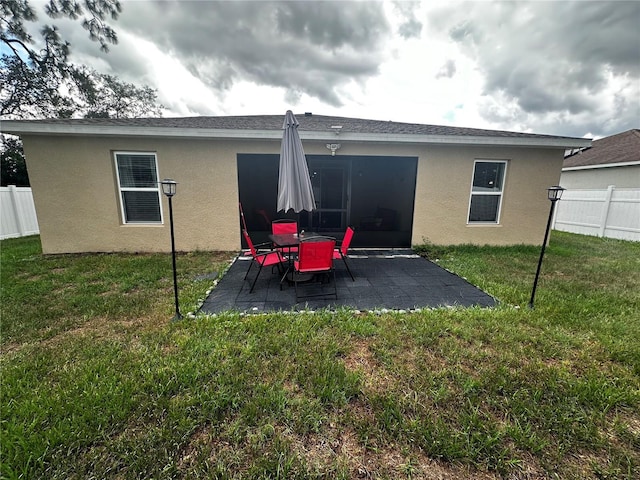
(41,128)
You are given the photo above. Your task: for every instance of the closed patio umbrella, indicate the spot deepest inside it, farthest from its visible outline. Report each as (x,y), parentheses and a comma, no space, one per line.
(294,185)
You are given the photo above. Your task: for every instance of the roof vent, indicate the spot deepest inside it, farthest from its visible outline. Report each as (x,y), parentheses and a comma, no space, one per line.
(307,114)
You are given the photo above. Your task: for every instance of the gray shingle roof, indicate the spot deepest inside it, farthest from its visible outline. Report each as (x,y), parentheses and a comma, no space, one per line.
(621,148)
(318,123)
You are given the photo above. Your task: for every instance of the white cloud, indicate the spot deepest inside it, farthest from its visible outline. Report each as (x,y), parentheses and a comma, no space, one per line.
(564,68)
(182,93)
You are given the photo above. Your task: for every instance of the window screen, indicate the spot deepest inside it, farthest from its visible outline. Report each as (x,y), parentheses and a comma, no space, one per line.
(486,192)
(139,189)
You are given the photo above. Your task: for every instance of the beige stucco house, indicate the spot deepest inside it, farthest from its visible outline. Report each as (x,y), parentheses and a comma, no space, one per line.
(95,181)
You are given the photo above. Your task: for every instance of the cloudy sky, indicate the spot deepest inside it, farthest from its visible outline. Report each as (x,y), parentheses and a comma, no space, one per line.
(563,68)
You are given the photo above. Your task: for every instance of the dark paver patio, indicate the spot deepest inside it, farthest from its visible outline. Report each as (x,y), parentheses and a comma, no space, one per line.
(394,280)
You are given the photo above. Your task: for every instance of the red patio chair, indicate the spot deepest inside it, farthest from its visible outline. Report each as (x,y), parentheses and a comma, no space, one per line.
(285,226)
(315,255)
(265,259)
(341,251)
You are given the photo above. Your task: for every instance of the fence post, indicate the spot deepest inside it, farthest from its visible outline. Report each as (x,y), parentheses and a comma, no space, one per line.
(13,193)
(604,216)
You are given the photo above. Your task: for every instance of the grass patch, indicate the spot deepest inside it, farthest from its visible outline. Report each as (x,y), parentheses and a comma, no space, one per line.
(44,296)
(96,382)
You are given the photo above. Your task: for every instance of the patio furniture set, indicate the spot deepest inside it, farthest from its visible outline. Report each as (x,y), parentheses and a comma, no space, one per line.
(300,258)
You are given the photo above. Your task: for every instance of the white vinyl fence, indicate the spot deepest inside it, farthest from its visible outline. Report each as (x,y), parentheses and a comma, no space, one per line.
(611,212)
(17,212)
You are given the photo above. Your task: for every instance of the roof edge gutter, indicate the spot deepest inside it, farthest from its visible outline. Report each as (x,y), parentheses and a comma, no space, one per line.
(498,140)
(17,127)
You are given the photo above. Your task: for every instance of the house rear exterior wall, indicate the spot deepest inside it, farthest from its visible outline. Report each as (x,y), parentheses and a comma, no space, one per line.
(444,187)
(76,194)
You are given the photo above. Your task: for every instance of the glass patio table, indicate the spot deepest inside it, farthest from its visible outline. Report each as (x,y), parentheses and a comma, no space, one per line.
(288,241)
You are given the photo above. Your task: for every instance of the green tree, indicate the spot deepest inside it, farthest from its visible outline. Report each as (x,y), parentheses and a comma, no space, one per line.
(13,168)
(104,96)
(37,79)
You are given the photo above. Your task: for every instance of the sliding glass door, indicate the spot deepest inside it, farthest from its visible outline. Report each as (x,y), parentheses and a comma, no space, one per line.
(330,180)
(374,194)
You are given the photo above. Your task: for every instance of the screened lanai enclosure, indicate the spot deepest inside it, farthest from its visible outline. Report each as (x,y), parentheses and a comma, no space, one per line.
(374,194)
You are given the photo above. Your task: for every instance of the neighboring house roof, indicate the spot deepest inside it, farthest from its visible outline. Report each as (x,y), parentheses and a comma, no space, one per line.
(623,148)
(312,127)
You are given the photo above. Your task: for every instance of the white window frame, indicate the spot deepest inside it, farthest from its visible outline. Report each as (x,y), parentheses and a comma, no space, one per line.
(137,189)
(499,194)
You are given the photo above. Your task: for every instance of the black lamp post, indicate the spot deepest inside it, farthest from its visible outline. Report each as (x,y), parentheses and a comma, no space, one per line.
(554,194)
(169,189)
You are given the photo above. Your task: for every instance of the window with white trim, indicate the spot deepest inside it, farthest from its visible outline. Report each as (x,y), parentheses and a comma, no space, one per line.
(486,191)
(138,186)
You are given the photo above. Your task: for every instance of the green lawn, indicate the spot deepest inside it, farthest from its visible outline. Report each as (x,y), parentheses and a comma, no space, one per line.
(98,383)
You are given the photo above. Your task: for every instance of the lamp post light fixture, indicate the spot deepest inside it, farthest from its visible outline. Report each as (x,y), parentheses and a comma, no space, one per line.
(169,187)
(553,194)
